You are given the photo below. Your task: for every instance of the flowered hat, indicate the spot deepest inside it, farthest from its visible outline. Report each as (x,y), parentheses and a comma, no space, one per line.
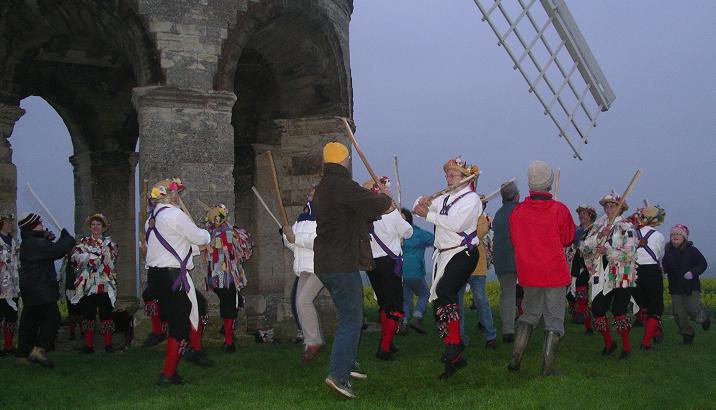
(371,185)
(97,217)
(652,215)
(460,165)
(613,197)
(217,215)
(589,210)
(162,188)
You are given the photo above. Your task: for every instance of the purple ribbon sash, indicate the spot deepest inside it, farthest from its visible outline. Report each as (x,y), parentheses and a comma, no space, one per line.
(181,279)
(398,267)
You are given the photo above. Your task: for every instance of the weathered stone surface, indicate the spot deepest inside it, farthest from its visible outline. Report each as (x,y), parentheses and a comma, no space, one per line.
(202,88)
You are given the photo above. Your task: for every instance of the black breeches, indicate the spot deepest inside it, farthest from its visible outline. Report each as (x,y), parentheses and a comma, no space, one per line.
(228,308)
(174,306)
(90,304)
(388,286)
(649,291)
(8,314)
(582,278)
(456,274)
(618,299)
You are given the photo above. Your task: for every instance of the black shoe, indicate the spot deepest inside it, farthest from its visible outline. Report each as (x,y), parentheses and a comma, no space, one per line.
(154,339)
(165,381)
(229,348)
(383,355)
(646,347)
(508,338)
(10,352)
(687,339)
(109,349)
(491,344)
(393,349)
(452,352)
(198,357)
(87,350)
(611,349)
(706,325)
(624,355)
(452,368)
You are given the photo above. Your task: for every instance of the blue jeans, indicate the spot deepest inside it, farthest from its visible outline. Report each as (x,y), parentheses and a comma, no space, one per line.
(484,313)
(414,286)
(346,290)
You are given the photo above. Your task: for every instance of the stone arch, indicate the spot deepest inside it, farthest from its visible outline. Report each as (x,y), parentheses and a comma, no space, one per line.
(84,58)
(288,64)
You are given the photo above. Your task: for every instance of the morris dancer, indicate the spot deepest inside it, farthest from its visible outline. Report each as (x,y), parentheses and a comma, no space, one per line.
(300,238)
(540,229)
(454,215)
(587,215)
(386,279)
(93,259)
(171,238)
(610,255)
(230,247)
(649,291)
(9,282)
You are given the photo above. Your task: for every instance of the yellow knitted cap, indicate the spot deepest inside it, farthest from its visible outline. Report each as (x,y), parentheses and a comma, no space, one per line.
(334,152)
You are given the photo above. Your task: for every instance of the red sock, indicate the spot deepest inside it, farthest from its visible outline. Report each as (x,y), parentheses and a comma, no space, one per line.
(89,338)
(387,331)
(626,346)
(453,336)
(587,321)
(601,324)
(8,333)
(107,338)
(228,332)
(519,307)
(195,338)
(650,328)
(171,357)
(156,324)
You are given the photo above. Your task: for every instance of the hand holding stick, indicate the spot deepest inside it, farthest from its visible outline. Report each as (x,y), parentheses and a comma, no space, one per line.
(462,182)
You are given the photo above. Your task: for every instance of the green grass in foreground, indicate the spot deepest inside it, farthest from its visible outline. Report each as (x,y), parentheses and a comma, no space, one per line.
(268,376)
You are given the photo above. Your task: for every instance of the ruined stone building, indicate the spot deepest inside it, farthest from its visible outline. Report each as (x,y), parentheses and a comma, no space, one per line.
(192,88)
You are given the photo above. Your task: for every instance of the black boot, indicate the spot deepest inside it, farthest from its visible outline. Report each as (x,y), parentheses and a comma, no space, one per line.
(549,353)
(522,337)
(198,357)
(452,357)
(153,339)
(165,381)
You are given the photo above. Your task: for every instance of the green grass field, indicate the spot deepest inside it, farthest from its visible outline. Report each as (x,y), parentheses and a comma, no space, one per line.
(269,376)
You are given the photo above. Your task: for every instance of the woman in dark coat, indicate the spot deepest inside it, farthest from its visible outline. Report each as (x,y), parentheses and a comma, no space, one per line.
(683,264)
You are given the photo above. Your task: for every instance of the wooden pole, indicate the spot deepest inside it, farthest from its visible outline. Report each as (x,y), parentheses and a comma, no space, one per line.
(636,176)
(261,200)
(497,191)
(42,205)
(277,189)
(556,184)
(397,181)
(349,132)
(143,211)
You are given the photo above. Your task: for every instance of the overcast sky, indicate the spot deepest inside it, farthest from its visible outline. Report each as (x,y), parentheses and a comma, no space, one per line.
(430,83)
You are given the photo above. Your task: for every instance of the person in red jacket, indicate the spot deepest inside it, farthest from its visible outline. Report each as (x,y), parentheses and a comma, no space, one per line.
(540,229)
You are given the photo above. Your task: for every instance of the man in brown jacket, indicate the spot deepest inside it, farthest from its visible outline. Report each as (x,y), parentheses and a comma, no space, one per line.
(344,211)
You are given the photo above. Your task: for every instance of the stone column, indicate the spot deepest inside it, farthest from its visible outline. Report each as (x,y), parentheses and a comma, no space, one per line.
(104,182)
(188,134)
(299,164)
(9,114)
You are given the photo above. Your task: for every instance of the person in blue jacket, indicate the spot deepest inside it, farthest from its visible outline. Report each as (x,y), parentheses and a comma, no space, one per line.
(414,275)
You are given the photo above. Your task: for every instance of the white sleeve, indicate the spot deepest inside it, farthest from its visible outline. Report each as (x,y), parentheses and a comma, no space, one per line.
(402,227)
(185,227)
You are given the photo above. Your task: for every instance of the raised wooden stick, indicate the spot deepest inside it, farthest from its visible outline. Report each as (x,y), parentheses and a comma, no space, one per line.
(497,191)
(42,205)
(636,176)
(556,184)
(258,196)
(349,131)
(459,184)
(397,180)
(277,189)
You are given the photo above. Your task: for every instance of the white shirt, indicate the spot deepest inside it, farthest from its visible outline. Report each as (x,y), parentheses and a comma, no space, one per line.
(462,217)
(179,231)
(656,243)
(390,228)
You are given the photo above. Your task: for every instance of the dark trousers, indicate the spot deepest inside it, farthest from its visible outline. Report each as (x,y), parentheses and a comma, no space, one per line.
(174,306)
(227,302)
(388,286)
(649,291)
(456,274)
(618,299)
(38,327)
(90,304)
(8,314)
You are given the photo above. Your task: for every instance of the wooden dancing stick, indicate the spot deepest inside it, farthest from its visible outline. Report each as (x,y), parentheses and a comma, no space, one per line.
(349,131)
(203,205)
(143,212)
(556,184)
(397,180)
(450,188)
(497,191)
(277,189)
(42,204)
(258,196)
(636,176)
